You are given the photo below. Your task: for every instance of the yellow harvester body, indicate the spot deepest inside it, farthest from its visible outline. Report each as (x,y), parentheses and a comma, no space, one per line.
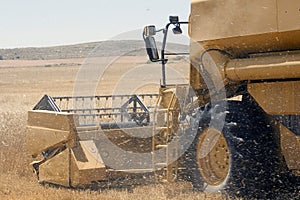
(261,41)
(263,38)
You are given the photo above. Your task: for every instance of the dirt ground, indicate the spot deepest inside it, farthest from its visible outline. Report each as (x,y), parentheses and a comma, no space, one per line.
(23,83)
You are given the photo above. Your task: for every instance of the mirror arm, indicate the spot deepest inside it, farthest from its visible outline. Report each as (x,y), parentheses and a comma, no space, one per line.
(162,29)
(165,31)
(163,60)
(183,22)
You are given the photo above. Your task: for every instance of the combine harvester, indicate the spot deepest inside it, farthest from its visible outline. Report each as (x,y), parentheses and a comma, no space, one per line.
(234,128)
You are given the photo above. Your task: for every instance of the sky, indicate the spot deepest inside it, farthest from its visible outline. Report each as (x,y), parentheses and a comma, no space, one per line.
(36,23)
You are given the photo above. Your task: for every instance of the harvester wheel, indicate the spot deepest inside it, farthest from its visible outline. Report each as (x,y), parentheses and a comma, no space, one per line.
(240,159)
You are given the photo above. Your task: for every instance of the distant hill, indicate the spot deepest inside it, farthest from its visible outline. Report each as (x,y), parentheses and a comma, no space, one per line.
(102,49)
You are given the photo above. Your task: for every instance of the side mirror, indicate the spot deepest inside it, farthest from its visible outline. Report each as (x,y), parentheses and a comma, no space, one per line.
(151,48)
(149,31)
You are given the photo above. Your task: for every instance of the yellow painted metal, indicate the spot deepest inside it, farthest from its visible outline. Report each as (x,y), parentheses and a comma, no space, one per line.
(40,139)
(272,66)
(242,26)
(288,15)
(290,145)
(47,129)
(208,75)
(56,170)
(86,164)
(277,98)
(267,66)
(75,167)
(213,157)
(166,131)
(262,38)
(215,19)
(163,132)
(129,139)
(52,120)
(78,164)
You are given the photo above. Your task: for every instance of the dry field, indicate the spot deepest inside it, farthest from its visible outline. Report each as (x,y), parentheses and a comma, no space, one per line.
(23,84)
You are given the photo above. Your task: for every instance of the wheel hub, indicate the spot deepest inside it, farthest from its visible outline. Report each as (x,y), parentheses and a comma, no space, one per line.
(213,157)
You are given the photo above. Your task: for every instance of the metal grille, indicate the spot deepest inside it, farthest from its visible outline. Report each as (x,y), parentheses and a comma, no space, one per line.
(109,108)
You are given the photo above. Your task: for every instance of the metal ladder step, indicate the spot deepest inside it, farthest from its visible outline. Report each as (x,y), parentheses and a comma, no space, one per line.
(162,109)
(87,128)
(161,127)
(161,146)
(163,165)
(132,170)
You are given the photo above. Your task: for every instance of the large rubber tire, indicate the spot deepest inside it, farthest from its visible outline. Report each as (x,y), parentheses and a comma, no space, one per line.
(242,159)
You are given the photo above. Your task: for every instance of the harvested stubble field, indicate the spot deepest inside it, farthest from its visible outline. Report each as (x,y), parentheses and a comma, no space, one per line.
(21,86)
